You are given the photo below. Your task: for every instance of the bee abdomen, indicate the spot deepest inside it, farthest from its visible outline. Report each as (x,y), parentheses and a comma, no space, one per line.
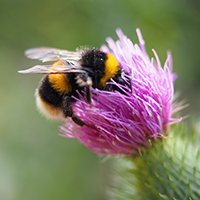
(48,93)
(49,110)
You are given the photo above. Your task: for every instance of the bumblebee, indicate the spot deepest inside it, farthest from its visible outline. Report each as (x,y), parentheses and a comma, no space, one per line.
(71,74)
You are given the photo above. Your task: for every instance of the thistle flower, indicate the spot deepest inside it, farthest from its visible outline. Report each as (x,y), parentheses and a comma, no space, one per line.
(124,123)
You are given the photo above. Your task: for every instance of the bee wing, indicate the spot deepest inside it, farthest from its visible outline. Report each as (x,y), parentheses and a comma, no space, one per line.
(46,54)
(52,69)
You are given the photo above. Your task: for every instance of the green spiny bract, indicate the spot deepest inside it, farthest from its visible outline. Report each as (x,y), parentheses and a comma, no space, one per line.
(169,170)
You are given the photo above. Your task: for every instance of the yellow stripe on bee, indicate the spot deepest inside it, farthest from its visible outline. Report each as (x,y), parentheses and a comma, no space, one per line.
(59,81)
(111,69)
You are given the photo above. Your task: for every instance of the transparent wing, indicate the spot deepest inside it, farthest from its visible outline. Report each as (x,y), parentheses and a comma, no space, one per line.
(46,54)
(52,69)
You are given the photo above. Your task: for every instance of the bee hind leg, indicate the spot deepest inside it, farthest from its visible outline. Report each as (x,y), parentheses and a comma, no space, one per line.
(78,121)
(68,112)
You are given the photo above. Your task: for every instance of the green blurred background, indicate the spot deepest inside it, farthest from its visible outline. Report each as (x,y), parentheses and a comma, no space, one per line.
(36,163)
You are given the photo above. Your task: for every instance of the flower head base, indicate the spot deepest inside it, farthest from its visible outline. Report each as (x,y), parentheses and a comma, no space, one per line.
(122,123)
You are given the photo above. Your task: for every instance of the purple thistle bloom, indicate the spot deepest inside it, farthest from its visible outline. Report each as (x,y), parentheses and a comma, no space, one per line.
(123,123)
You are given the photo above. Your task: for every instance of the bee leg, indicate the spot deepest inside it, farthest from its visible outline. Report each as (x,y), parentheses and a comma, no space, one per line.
(88,94)
(129,83)
(66,107)
(68,111)
(83,80)
(109,87)
(78,121)
(131,86)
